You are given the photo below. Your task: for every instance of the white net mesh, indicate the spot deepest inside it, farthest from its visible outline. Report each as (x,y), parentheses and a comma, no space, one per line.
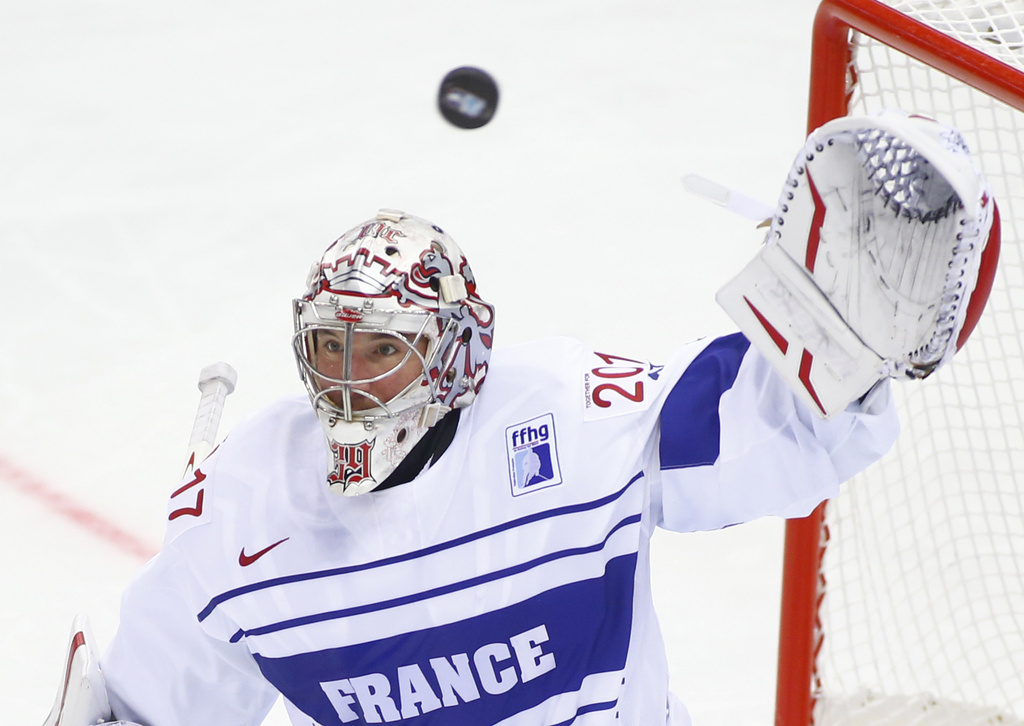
(923,616)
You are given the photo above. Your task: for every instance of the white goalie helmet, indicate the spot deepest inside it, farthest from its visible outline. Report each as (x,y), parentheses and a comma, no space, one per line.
(390,335)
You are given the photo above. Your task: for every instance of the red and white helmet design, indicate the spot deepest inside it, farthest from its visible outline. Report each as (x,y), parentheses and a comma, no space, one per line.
(401,277)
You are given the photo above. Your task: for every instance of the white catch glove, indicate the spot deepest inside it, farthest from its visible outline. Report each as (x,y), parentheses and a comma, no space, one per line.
(879,260)
(82,697)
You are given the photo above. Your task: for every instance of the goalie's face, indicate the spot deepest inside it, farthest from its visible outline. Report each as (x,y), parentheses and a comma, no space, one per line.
(359,371)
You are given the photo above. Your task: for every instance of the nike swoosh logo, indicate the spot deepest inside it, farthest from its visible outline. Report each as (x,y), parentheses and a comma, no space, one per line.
(245,560)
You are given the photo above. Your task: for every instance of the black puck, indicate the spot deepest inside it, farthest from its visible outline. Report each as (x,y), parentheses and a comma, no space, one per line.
(468,97)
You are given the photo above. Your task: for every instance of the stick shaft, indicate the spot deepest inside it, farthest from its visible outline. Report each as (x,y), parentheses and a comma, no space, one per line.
(215,383)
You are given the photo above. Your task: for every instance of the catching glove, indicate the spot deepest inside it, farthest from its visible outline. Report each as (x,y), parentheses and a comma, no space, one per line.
(878,263)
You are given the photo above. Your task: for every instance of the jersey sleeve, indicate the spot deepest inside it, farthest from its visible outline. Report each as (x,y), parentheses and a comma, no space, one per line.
(168,664)
(162,669)
(735,444)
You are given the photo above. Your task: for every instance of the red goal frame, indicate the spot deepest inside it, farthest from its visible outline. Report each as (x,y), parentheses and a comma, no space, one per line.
(800,634)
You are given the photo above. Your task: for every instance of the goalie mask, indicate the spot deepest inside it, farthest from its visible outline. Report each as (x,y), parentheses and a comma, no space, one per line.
(389,337)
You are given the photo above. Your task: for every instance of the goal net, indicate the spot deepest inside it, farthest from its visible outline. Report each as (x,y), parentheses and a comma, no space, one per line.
(904,599)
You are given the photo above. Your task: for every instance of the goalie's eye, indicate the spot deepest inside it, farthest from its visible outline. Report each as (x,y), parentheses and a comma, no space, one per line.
(387,349)
(330,342)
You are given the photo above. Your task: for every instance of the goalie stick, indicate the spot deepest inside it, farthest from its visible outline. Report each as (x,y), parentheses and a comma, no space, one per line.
(216,381)
(736,202)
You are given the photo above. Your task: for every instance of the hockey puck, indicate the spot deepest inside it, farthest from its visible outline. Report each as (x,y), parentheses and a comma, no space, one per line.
(468,97)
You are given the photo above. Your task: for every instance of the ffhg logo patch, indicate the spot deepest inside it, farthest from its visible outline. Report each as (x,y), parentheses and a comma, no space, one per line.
(532,455)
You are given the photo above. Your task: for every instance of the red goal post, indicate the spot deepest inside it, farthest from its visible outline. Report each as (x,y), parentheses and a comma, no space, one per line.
(921,35)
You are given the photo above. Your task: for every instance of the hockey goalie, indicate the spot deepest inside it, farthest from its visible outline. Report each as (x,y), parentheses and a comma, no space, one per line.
(405,542)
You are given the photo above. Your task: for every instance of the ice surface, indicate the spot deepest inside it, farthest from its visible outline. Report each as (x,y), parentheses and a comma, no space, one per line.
(168,170)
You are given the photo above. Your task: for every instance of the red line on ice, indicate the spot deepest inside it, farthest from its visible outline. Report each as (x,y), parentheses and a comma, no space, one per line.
(60,503)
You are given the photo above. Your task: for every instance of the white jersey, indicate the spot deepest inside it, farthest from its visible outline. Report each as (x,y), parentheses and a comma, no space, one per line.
(508,583)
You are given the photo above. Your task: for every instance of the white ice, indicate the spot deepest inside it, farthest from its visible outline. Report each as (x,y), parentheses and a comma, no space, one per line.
(169,170)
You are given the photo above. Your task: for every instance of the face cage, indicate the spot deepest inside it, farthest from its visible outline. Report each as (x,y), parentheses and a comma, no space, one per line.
(303,347)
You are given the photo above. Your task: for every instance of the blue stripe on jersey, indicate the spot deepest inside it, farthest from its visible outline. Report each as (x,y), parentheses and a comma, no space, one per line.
(590,708)
(690,426)
(437,591)
(416,554)
(479,670)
